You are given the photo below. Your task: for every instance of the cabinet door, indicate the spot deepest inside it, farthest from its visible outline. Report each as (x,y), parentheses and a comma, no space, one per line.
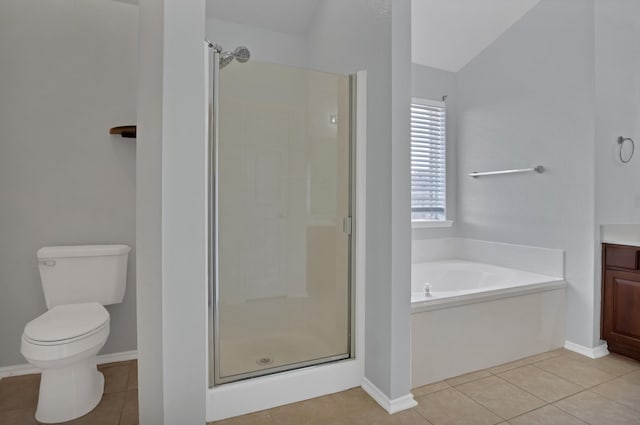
(621,312)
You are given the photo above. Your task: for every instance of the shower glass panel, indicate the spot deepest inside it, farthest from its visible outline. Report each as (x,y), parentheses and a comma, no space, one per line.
(282,299)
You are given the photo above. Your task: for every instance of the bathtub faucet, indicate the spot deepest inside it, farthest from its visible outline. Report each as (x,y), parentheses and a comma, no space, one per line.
(427,290)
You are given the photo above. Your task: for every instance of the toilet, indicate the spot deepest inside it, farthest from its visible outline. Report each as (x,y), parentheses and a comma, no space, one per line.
(64,341)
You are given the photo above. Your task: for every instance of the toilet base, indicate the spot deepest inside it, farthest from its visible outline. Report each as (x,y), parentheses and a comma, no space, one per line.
(69,392)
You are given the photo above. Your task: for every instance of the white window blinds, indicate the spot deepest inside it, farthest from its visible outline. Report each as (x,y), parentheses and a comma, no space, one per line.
(428,140)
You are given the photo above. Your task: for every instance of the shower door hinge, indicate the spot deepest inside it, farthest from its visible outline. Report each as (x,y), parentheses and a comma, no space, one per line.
(346,225)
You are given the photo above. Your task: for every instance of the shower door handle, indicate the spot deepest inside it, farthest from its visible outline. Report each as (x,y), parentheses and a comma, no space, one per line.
(346,225)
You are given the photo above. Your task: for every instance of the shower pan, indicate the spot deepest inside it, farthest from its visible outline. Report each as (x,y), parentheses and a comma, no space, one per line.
(280,209)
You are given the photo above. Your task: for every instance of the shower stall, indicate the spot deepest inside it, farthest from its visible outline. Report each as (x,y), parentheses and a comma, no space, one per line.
(281,172)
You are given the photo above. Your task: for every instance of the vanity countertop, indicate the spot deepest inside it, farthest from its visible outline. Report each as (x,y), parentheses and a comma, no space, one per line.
(620,234)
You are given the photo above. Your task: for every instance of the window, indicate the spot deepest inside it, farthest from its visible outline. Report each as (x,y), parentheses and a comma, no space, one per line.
(428,172)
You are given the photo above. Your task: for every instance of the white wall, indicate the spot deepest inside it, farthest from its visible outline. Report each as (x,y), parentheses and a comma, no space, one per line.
(171,164)
(432,83)
(528,99)
(184,232)
(149,213)
(617,85)
(264,45)
(617,64)
(67,74)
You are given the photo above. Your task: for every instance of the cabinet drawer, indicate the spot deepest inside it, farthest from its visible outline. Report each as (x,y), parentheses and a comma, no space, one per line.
(622,257)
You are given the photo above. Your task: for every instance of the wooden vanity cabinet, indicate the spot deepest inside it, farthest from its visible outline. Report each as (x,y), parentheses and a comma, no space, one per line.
(620,325)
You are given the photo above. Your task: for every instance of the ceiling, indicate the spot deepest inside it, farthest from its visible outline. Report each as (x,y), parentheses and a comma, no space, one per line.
(447,34)
(285,16)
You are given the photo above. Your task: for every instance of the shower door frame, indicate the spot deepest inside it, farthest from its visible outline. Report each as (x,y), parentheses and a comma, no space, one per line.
(349,227)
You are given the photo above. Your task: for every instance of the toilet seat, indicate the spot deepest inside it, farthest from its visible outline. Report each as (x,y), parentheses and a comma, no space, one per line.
(64,332)
(64,324)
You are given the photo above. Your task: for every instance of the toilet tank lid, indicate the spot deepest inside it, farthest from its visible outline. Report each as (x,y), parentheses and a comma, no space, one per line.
(81,251)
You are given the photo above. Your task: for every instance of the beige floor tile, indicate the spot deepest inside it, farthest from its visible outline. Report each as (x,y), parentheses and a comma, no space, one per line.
(613,364)
(546,356)
(18,417)
(353,401)
(502,398)
(451,407)
(547,415)
(508,366)
(115,378)
(633,377)
(428,389)
(463,379)
(575,371)
(132,381)
(540,383)
(258,418)
(107,412)
(333,421)
(129,414)
(617,365)
(406,417)
(597,410)
(19,392)
(625,390)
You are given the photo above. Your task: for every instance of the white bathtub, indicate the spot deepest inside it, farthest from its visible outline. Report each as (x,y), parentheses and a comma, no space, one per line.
(480,315)
(459,282)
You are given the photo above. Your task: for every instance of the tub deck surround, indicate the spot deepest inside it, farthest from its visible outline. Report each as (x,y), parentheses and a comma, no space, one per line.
(546,261)
(508,306)
(620,234)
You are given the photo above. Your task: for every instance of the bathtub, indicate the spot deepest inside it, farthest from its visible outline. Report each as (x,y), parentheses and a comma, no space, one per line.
(479,315)
(458,282)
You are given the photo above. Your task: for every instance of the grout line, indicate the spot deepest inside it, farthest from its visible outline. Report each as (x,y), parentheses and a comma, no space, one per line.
(557,407)
(575,383)
(528,392)
(569,413)
(535,395)
(615,400)
(466,382)
(481,405)
(420,410)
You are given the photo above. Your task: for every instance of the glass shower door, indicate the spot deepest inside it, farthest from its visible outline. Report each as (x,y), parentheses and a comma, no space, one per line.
(282,299)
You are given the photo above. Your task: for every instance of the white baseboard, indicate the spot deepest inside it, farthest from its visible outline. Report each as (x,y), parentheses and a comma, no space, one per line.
(391,406)
(118,357)
(27,369)
(591,352)
(16,370)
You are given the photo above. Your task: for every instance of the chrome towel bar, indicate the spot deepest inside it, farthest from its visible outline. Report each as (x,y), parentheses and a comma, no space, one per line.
(538,169)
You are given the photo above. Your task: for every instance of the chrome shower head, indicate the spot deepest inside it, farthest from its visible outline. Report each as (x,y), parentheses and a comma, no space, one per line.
(225,59)
(241,54)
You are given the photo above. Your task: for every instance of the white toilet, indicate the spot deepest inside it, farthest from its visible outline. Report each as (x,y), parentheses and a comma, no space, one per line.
(64,341)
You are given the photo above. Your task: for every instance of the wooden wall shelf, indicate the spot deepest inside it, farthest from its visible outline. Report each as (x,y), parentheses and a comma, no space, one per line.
(126,131)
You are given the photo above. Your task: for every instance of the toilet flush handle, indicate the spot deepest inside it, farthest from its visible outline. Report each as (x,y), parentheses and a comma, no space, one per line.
(48,263)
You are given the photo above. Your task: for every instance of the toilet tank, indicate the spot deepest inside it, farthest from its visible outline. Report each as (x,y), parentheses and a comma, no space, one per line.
(83,273)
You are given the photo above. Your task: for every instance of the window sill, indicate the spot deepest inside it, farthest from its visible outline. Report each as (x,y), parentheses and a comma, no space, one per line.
(426,224)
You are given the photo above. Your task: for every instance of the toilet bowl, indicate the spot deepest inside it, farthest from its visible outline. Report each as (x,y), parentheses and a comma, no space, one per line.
(63,343)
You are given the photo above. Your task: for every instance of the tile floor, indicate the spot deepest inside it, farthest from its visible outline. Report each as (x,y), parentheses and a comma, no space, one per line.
(119,405)
(555,388)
